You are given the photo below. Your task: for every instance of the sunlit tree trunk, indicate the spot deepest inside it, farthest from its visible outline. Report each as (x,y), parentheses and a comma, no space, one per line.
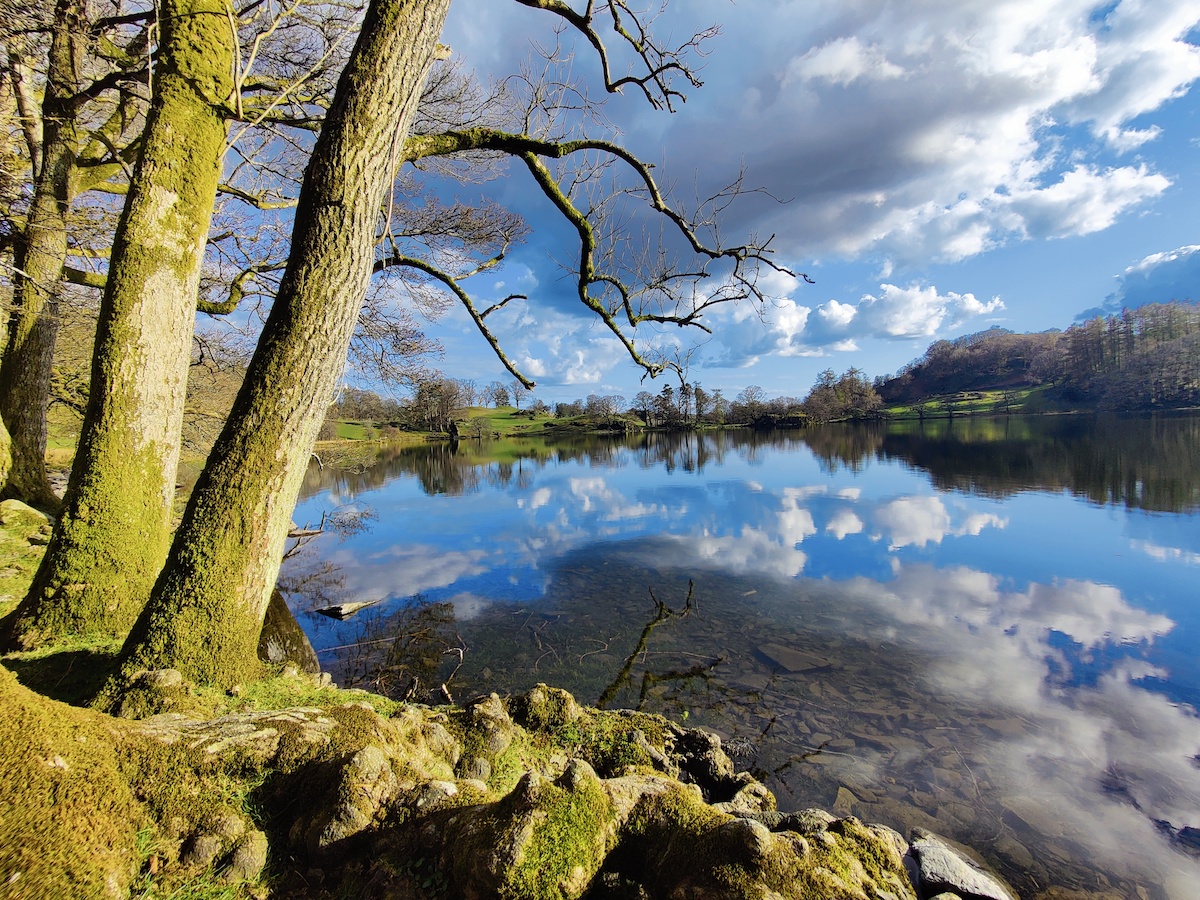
(39,259)
(113,535)
(207,608)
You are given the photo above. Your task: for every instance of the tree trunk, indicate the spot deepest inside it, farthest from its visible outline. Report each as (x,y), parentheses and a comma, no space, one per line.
(113,534)
(207,608)
(40,256)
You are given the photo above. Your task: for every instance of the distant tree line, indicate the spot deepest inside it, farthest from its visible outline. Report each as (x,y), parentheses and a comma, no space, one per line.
(435,402)
(1136,359)
(1143,358)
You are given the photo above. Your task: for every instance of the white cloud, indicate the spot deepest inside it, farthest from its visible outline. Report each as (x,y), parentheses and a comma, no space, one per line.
(939,130)
(1157,278)
(842,62)
(595,495)
(537,499)
(1167,554)
(786,329)
(897,313)
(912,134)
(402,571)
(918,521)
(1084,200)
(913,521)
(842,523)
(920,311)
(992,649)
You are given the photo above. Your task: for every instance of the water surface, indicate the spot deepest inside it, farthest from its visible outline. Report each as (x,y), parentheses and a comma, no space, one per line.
(986,627)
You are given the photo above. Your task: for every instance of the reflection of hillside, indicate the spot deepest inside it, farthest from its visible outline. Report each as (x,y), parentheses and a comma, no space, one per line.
(1151,463)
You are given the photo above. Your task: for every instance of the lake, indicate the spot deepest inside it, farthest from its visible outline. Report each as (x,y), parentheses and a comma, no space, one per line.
(986,627)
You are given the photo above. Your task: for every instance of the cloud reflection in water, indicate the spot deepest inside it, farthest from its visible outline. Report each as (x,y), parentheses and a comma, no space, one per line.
(1018,697)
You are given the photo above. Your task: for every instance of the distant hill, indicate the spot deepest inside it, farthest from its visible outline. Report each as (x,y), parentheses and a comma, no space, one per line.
(1144,358)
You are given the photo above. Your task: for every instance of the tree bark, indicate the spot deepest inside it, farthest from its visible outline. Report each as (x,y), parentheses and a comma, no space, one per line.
(40,256)
(207,607)
(113,534)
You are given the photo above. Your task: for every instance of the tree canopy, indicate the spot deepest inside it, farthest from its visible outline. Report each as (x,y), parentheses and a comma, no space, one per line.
(225,107)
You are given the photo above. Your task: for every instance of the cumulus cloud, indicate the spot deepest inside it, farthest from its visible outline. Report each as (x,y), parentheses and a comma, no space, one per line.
(842,523)
(552,347)
(992,647)
(842,61)
(1166,554)
(787,329)
(1084,200)
(910,134)
(402,571)
(1157,278)
(918,521)
(594,495)
(940,130)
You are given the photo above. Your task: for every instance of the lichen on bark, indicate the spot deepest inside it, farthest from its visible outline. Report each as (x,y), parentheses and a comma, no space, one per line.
(113,531)
(207,607)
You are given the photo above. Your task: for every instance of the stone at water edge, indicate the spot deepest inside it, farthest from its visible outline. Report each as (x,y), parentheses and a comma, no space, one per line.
(943,866)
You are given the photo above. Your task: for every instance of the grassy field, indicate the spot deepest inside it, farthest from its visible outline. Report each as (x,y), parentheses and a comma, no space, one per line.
(503,420)
(1024,400)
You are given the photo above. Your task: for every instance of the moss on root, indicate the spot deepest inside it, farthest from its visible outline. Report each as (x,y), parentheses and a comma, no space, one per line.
(368,793)
(69,818)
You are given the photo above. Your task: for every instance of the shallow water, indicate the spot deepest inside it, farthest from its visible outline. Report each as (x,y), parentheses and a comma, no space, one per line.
(984,627)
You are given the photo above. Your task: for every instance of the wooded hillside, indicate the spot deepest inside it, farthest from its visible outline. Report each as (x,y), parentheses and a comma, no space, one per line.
(1138,359)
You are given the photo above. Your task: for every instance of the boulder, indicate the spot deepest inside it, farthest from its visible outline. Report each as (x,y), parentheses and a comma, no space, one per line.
(15,514)
(938,865)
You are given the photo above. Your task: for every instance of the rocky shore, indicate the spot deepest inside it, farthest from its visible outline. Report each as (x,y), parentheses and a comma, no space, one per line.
(349,794)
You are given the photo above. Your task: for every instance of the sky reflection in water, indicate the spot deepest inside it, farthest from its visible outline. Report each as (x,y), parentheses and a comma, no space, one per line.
(986,628)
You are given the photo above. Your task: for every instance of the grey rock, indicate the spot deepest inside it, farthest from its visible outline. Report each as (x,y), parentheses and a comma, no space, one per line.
(435,794)
(14,513)
(476,767)
(943,866)
(163,678)
(749,839)
(362,787)
(544,707)
(489,715)
(810,820)
(702,761)
(202,850)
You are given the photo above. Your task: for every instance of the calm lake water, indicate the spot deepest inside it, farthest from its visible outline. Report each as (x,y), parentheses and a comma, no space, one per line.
(986,627)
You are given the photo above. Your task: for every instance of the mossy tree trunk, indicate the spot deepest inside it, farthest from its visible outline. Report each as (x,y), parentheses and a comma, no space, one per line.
(40,256)
(207,607)
(113,533)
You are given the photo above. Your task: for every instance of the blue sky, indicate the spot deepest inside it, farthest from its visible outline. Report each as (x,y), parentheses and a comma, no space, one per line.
(948,166)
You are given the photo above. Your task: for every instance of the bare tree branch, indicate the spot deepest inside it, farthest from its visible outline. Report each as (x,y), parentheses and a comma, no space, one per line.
(468,304)
(660,64)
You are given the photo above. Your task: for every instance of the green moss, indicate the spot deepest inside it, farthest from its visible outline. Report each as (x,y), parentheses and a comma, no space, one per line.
(568,844)
(282,691)
(609,740)
(68,818)
(105,553)
(71,672)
